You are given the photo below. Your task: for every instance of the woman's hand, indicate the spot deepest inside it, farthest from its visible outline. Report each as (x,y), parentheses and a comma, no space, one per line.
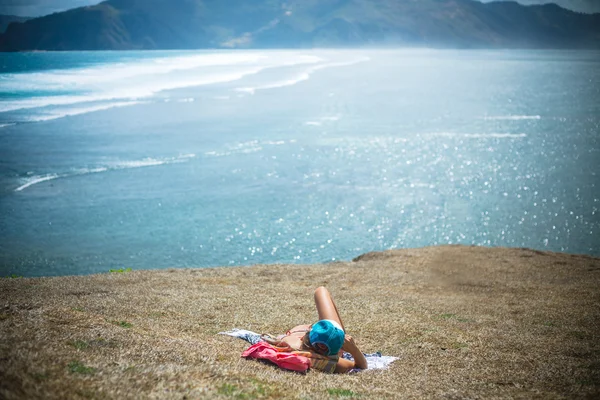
(348,343)
(351,347)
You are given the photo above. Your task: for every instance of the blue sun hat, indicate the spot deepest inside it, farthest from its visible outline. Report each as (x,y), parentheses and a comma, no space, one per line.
(329,333)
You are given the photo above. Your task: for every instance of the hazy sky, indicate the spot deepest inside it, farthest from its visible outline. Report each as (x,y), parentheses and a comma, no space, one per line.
(36,8)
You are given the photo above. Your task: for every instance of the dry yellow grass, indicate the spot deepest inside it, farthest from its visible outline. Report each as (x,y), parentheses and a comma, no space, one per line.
(466,322)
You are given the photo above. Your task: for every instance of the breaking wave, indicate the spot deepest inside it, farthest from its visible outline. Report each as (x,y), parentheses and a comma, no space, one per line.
(36,179)
(480,135)
(303,76)
(39,96)
(512,117)
(118,165)
(69,112)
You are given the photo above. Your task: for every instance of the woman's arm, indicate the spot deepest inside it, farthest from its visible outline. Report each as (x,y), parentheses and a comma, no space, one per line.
(360,361)
(274,341)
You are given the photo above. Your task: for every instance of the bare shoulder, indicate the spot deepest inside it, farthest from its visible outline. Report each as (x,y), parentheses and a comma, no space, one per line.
(300,328)
(344,366)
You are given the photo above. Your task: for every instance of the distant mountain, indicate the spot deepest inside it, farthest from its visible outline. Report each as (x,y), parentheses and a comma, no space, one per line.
(7,19)
(584,6)
(192,24)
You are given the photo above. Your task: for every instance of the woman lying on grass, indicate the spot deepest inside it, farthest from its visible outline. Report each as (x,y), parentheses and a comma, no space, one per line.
(324,341)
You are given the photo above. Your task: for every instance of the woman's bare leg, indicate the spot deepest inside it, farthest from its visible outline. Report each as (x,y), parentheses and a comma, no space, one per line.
(326,307)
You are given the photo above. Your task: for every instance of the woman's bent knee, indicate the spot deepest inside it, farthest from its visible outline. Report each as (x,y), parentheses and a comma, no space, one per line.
(320,291)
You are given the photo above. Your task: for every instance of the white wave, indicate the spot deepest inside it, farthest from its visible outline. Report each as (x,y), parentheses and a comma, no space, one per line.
(39,102)
(55,114)
(232,152)
(36,179)
(183,157)
(84,171)
(495,135)
(5,125)
(512,117)
(340,64)
(299,78)
(421,185)
(353,143)
(274,142)
(59,79)
(332,118)
(146,162)
(252,146)
(480,135)
(149,162)
(289,82)
(129,93)
(132,81)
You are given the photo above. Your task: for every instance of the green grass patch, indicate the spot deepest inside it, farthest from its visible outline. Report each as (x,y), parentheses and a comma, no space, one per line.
(119,270)
(77,367)
(258,390)
(86,394)
(101,342)
(130,368)
(342,393)
(233,391)
(79,344)
(39,376)
(262,389)
(13,276)
(123,324)
(158,314)
(588,382)
(228,389)
(579,335)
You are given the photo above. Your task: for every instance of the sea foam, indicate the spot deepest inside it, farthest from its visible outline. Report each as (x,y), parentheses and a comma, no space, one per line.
(479,135)
(512,117)
(303,76)
(37,179)
(117,165)
(131,92)
(72,111)
(119,84)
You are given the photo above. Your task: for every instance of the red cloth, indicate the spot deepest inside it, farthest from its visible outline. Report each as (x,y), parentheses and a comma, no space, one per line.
(282,358)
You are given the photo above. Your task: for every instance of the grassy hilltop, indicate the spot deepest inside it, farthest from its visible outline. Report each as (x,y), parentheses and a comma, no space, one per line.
(466,322)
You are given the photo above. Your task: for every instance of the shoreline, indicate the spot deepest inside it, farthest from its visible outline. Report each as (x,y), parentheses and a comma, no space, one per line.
(465,322)
(360,257)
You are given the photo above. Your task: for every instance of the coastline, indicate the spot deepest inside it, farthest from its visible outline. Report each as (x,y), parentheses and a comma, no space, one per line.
(465,322)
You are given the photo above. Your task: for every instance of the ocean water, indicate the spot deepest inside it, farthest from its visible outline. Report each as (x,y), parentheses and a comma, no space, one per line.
(214,158)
